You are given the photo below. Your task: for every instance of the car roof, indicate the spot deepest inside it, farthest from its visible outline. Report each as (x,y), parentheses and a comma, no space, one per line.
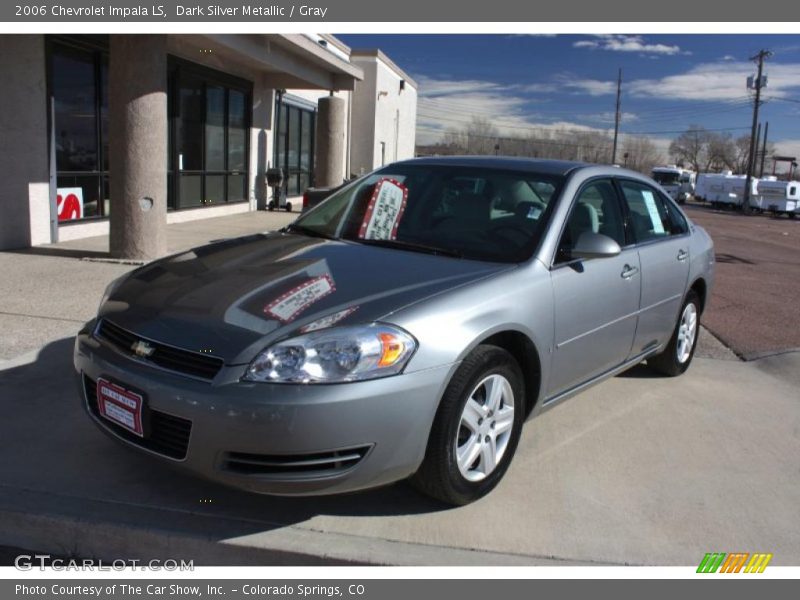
(533,165)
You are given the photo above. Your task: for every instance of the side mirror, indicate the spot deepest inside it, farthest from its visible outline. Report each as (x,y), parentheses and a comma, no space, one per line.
(595,245)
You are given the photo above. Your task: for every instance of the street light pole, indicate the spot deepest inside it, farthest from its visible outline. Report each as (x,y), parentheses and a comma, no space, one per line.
(760,57)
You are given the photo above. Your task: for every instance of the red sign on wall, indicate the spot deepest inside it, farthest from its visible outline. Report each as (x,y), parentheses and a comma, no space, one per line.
(70,203)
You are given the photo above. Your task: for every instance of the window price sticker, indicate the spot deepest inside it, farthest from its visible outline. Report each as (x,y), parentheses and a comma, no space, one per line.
(652,209)
(384,211)
(296,300)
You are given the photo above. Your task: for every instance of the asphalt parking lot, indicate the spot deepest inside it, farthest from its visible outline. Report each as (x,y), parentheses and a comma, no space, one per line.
(637,470)
(756,300)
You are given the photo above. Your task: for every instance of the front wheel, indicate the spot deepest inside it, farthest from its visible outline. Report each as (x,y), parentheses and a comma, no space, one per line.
(677,356)
(476,429)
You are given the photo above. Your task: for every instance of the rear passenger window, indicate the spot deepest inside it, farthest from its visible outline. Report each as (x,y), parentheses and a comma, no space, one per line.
(649,217)
(677,220)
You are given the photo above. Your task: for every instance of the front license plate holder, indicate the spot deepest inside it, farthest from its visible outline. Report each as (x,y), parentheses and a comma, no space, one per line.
(122,406)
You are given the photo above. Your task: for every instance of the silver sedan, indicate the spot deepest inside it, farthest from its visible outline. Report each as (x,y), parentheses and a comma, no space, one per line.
(404,328)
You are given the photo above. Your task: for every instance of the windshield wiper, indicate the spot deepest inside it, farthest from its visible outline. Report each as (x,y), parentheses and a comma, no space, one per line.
(413,246)
(303,230)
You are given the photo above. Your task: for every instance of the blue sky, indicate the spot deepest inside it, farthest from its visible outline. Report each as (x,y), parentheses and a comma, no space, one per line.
(524,83)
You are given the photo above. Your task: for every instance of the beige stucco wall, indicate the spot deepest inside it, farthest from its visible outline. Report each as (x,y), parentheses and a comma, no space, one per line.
(25,193)
(382,112)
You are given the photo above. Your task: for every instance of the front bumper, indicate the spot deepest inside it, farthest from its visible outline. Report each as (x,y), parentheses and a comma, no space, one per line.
(385,422)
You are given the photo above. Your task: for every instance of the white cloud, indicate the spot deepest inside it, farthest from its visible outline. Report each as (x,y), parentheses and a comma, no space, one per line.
(592,87)
(785,148)
(450,104)
(627,43)
(608,117)
(717,81)
(429,87)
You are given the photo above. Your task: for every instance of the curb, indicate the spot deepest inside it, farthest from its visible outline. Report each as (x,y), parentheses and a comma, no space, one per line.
(87,528)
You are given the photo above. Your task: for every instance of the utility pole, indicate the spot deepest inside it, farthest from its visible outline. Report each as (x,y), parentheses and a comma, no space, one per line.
(757,84)
(764,149)
(758,144)
(616,118)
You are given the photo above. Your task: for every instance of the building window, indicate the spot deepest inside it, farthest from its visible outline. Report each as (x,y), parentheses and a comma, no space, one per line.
(210,119)
(78,91)
(294,145)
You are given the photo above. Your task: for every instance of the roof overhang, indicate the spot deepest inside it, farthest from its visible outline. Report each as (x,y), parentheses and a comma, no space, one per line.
(290,60)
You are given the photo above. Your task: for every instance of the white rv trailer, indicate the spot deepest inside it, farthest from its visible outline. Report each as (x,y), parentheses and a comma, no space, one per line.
(725,189)
(779,197)
(678,182)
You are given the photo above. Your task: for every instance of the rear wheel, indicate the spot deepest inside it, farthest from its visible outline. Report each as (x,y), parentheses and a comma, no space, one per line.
(677,356)
(476,430)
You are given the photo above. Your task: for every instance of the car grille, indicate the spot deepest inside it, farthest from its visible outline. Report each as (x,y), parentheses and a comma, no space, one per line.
(308,465)
(167,357)
(167,435)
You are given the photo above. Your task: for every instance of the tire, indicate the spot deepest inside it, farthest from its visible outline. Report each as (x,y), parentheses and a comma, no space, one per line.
(440,476)
(288,207)
(676,357)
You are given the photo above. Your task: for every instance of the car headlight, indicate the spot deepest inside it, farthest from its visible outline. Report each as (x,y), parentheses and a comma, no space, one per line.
(335,355)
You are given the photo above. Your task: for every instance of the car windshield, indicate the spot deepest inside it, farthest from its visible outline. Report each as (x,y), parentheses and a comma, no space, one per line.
(666,178)
(466,212)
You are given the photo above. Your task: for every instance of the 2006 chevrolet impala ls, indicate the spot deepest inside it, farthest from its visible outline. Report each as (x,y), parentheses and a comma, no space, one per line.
(405,327)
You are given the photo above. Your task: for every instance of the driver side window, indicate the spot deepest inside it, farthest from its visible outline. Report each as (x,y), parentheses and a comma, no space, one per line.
(596,209)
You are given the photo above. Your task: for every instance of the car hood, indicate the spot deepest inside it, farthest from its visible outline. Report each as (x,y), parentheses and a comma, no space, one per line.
(229,298)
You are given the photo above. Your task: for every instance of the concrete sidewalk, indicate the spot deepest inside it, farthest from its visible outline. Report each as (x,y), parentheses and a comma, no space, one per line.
(638,470)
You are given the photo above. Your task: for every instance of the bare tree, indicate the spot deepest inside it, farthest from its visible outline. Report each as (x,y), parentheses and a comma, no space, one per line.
(641,154)
(720,152)
(690,147)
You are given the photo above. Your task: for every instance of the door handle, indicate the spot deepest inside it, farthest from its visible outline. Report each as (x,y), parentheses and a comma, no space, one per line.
(682,254)
(629,271)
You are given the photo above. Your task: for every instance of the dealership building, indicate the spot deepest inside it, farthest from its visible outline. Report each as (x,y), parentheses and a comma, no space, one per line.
(123,134)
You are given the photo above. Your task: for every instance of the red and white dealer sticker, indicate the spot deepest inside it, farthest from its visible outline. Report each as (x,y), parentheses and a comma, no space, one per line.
(121,406)
(296,300)
(384,211)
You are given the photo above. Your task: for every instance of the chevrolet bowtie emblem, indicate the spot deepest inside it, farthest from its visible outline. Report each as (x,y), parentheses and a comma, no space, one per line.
(142,349)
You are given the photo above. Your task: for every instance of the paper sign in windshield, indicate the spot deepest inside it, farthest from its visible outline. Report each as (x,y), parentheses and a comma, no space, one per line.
(296,300)
(384,211)
(652,209)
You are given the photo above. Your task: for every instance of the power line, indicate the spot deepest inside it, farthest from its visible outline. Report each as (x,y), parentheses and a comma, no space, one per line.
(556,128)
(686,130)
(450,107)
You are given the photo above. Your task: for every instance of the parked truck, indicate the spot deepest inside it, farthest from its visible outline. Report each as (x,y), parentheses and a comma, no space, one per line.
(678,182)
